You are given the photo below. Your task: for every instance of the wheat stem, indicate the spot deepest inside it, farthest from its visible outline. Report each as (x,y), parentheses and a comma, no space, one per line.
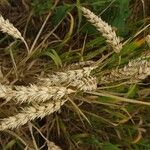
(80,64)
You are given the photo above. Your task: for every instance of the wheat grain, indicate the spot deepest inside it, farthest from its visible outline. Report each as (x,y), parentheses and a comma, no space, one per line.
(7,27)
(65,77)
(104,28)
(33,93)
(85,84)
(134,71)
(31,113)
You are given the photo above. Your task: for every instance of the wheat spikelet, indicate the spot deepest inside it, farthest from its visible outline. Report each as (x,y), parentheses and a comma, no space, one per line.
(135,71)
(148,39)
(31,113)
(85,84)
(33,93)
(52,146)
(65,77)
(7,27)
(104,28)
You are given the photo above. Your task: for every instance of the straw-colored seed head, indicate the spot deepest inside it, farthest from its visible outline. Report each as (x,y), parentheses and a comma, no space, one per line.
(7,27)
(65,77)
(104,28)
(85,84)
(148,40)
(135,71)
(52,146)
(33,93)
(31,113)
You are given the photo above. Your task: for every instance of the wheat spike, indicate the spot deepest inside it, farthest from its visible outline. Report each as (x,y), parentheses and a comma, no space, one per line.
(7,27)
(134,71)
(65,77)
(104,28)
(31,113)
(52,146)
(85,84)
(148,39)
(33,93)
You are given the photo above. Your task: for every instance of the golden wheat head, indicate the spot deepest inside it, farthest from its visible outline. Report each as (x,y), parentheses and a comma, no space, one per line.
(30,113)
(135,71)
(104,28)
(7,27)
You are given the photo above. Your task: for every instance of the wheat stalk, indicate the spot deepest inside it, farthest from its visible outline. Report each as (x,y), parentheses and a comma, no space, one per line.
(80,64)
(7,27)
(65,77)
(33,93)
(134,71)
(31,113)
(104,28)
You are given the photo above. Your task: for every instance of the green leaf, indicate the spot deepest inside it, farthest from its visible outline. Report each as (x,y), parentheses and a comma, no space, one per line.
(123,12)
(89,29)
(109,146)
(132,91)
(55,57)
(60,13)
(40,7)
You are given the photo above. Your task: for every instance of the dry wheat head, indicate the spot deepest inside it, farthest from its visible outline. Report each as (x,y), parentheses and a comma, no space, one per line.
(33,93)
(148,39)
(104,28)
(31,113)
(7,27)
(65,77)
(85,84)
(52,146)
(135,71)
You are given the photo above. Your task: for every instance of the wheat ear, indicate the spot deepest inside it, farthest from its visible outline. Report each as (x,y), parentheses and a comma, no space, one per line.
(148,39)
(7,27)
(31,113)
(65,77)
(33,93)
(52,146)
(134,71)
(85,84)
(104,28)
